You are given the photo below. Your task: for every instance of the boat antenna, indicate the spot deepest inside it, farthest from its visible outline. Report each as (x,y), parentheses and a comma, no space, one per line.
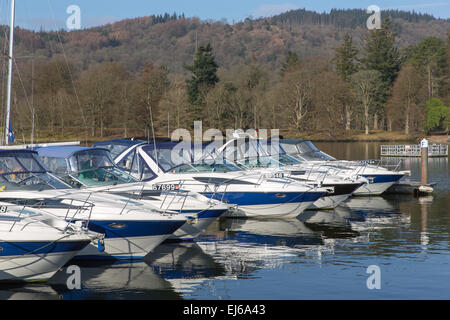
(10,61)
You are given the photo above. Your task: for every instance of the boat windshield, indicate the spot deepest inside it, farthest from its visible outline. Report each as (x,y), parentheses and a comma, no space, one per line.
(23,171)
(259,162)
(89,168)
(309,152)
(115,149)
(170,158)
(206,167)
(287,160)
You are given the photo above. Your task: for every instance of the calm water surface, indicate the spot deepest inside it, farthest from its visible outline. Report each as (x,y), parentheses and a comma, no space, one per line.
(318,255)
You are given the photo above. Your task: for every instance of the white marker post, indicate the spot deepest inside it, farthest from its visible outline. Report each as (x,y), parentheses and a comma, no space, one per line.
(424,162)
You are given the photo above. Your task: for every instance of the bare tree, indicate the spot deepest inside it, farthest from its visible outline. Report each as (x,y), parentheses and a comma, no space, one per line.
(367,84)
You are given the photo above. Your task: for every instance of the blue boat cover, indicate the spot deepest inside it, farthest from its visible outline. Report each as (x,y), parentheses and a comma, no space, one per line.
(63,152)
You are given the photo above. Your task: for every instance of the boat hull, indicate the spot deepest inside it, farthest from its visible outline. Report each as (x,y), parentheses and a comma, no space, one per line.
(36,261)
(328,202)
(193,228)
(125,239)
(266,204)
(377,185)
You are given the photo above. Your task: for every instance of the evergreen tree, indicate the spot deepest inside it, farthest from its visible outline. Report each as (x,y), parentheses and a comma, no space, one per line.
(345,62)
(429,57)
(345,59)
(204,77)
(381,54)
(291,61)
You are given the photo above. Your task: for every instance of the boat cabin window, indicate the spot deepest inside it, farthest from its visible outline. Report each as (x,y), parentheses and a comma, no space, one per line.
(309,152)
(88,169)
(205,167)
(134,165)
(289,148)
(115,149)
(287,160)
(56,165)
(24,171)
(171,157)
(260,162)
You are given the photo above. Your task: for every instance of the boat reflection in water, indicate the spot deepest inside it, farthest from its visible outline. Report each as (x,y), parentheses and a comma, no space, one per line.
(28,292)
(186,266)
(376,212)
(120,280)
(231,249)
(245,245)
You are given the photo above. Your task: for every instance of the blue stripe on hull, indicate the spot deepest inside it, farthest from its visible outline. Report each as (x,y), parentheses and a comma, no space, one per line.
(262,198)
(127,229)
(105,258)
(29,248)
(383,178)
(204,214)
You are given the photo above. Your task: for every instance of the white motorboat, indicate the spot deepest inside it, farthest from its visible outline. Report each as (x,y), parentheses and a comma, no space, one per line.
(256,155)
(131,229)
(379,178)
(35,245)
(93,169)
(249,194)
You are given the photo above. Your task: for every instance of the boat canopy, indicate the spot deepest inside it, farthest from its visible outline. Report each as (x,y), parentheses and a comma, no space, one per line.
(22,170)
(118,146)
(304,150)
(83,166)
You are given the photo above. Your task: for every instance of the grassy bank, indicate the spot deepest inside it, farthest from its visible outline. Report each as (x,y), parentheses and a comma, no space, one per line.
(356,135)
(74,134)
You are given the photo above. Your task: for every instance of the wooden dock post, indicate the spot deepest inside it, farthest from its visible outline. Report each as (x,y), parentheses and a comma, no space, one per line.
(424,162)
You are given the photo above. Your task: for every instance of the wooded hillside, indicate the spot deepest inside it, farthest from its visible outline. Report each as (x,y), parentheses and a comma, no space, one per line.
(121,76)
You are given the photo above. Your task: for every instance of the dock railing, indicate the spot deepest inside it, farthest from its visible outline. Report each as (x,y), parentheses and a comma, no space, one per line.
(434,150)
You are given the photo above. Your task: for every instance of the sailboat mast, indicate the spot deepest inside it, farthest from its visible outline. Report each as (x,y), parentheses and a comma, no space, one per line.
(10,64)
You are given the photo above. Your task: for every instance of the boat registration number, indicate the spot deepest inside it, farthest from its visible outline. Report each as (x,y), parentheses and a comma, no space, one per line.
(165,187)
(278,175)
(3,209)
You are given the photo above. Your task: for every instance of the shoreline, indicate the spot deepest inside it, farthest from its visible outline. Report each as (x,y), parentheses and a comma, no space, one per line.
(324,136)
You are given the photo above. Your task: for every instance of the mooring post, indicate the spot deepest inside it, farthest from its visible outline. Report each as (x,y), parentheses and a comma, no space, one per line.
(424,162)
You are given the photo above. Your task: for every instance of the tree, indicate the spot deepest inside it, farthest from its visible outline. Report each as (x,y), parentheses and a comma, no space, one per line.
(430,58)
(367,84)
(345,62)
(204,77)
(345,59)
(291,61)
(438,115)
(295,95)
(149,90)
(381,54)
(100,91)
(53,82)
(407,98)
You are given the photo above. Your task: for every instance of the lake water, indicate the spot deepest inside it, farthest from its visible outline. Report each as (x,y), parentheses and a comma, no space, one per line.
(318,255)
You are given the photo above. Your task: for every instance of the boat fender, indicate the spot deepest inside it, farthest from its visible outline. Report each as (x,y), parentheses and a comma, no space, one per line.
(101,245)
(425,189)
(192,220)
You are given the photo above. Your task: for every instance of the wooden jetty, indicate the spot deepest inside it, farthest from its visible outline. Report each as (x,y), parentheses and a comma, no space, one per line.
(434,150)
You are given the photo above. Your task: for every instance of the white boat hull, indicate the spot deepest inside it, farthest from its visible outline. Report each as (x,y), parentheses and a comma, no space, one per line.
(285,210)
(33,267)
(373,189)
(123,248)
(329,202)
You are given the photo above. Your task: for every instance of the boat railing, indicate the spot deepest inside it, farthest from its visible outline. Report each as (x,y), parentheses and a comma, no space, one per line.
(178,193)
(38,217)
